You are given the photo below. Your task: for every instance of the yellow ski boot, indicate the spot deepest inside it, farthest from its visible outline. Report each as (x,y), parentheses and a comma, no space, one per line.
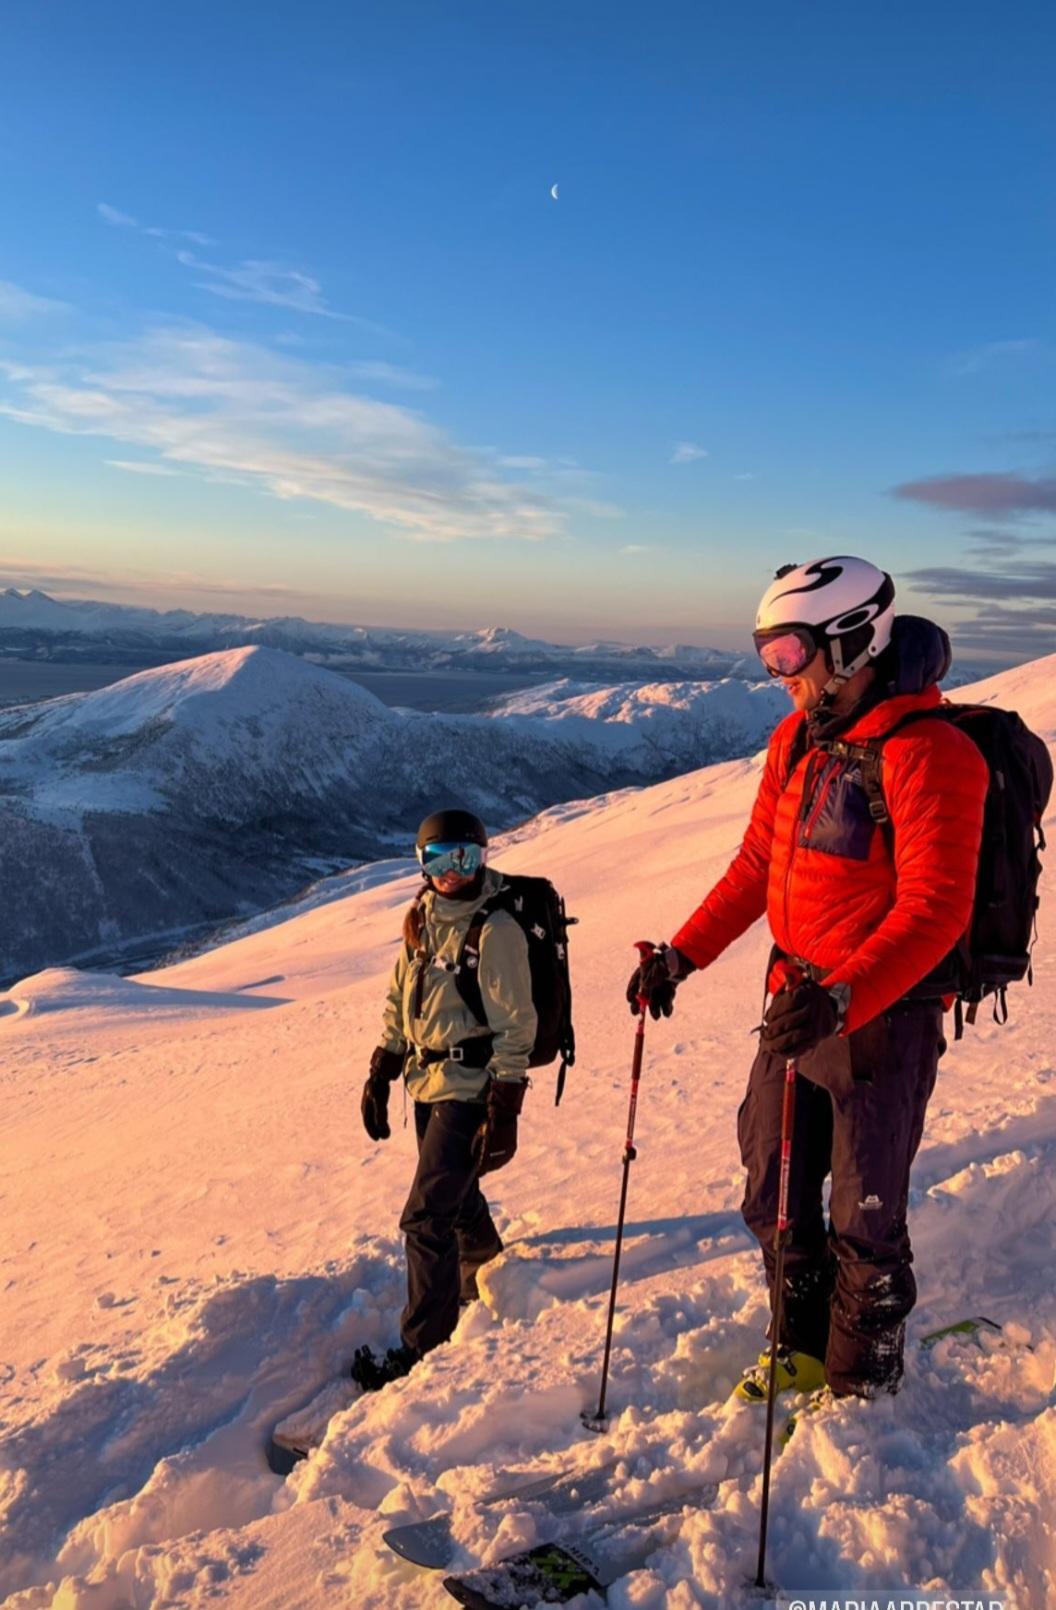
(817,1400)
(796,1372)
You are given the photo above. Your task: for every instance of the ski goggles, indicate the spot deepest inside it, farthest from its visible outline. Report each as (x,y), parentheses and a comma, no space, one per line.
(786,651)
(438,859)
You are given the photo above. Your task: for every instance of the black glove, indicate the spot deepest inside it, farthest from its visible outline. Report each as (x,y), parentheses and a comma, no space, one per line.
(495,1141)
(657,978)
(800,1018)
(385,1066)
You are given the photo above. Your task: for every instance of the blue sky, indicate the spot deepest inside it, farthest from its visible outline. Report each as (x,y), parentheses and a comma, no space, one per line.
(289,320)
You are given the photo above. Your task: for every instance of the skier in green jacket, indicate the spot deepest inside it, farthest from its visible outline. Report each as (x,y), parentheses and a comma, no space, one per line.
(467,1080)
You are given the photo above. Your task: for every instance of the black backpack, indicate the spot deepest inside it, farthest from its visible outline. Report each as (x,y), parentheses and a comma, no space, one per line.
(537,907)
(995,950)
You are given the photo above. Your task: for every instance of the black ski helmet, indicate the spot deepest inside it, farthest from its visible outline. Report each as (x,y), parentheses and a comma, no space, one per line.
(452,827)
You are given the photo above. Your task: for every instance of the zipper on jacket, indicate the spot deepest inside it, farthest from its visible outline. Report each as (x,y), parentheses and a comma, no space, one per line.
(826,778)
(419,983)
(809,774)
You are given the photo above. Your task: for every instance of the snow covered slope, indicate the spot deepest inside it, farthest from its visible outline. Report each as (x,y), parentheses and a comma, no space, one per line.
(200,791)
(681,724)
(198,1232)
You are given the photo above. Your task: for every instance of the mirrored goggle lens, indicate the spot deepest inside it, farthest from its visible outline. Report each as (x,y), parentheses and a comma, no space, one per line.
(786,654)
(465,859)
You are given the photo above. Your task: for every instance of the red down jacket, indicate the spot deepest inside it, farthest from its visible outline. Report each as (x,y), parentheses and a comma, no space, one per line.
(825,874)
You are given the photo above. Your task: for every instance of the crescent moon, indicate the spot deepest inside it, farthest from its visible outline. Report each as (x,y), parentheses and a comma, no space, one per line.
(553,191)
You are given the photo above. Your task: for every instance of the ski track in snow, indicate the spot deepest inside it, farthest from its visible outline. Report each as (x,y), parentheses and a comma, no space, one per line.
(199,1234)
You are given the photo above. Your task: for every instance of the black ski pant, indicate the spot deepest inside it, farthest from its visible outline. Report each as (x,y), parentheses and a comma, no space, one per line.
(449,1230)
(859,1116)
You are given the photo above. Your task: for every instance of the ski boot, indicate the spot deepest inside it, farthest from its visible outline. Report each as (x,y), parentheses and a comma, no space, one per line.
(796,1372)
(372,1373)
(820,1399)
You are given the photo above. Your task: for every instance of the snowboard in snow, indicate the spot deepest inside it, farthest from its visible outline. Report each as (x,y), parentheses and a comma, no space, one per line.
(553,1573)
(299,1433)
(970,1329)
(431,1543)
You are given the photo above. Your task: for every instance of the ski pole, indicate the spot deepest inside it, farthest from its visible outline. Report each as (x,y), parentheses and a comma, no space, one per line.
(599,1421)
(788,1108)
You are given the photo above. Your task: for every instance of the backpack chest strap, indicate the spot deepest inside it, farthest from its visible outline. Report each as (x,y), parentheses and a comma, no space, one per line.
(870,761)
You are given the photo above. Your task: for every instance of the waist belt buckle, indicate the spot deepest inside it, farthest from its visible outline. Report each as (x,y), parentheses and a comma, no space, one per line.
(457,1053)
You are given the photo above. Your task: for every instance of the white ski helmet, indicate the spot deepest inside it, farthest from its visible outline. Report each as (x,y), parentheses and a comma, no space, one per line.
(843,605)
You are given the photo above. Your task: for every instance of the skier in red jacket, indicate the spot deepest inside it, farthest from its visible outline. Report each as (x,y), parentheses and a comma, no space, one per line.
(867,913)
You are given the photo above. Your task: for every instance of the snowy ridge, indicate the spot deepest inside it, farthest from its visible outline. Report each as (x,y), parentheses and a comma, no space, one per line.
(198,792)
(688,723)
(31,621)
(227,1234)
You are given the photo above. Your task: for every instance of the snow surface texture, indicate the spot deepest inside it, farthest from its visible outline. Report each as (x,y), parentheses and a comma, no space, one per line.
(198,1232)
(199,792)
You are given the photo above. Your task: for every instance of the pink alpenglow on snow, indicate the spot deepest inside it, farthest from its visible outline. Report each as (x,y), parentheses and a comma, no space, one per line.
(198,1234)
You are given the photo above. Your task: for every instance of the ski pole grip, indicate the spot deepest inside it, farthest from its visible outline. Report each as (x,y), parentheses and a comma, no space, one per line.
(784,974)
(645,949)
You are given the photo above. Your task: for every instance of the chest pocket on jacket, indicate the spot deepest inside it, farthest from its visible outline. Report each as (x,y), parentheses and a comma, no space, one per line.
(836,820)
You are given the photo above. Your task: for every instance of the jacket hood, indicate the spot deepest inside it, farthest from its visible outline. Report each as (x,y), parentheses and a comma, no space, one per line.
(916,659)
(918,654)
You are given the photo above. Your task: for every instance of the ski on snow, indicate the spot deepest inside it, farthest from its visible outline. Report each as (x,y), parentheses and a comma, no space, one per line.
(431,1543)
(553,1573)
(295,1436)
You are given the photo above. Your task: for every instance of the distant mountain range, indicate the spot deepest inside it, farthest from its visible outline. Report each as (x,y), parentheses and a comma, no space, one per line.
(205,790)
(34,625)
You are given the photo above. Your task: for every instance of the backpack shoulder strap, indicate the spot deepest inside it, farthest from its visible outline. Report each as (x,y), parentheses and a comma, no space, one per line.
(467,976)
(870,757)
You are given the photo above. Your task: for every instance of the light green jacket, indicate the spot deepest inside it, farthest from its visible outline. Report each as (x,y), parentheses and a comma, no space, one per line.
(424,1007)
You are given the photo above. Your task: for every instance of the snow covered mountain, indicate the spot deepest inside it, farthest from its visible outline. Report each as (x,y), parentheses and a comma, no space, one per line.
(204,790)
(31,623)
(197,1233)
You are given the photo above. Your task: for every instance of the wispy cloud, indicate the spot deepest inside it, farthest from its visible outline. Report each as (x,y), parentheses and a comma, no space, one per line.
(1025,579)
(234,409)
(111,215)
(22,572)
(393,374)
(146,588)
(688,453)
(976,359)
(137,466)
(274,284)
(999,496)
(1014,599)
(999,541)
(254,279)
(17,305)
(594,507)
(123,220)
(1016,634)
(636,547)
